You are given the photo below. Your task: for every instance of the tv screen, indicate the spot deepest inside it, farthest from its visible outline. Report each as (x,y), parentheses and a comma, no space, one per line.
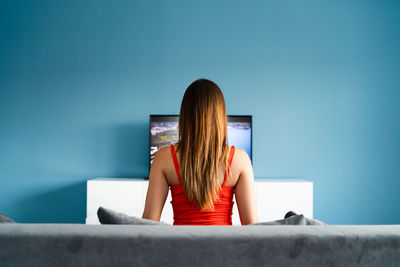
(164,132)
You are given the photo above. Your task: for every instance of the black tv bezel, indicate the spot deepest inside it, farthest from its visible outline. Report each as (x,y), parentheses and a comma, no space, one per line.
(177,116)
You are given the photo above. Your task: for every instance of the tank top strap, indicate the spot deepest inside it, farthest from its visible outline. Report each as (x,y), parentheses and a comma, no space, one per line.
(229,164)
(175,159)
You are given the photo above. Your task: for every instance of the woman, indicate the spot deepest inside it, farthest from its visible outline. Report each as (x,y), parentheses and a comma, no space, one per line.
(201,170)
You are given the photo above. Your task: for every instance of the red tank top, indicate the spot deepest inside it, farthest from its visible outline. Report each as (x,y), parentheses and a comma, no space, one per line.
(186,213)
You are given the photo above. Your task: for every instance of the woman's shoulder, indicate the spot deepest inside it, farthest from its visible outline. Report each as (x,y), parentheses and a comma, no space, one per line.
(163,152)
(240,154)
(163,158)
(240,160)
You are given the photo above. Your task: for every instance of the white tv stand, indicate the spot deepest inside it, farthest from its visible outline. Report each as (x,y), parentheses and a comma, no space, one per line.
(274,197)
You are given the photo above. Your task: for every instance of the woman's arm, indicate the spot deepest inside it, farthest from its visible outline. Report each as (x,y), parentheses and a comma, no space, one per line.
(157,191)
(245,196)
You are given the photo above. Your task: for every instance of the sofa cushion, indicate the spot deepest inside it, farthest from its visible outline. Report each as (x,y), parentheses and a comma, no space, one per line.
(49,245)
(5,219)
(107,216)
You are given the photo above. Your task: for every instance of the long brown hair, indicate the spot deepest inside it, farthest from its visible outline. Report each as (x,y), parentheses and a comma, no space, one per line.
(202,142)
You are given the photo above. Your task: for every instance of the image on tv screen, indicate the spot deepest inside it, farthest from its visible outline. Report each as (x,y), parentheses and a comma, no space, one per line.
(164,132)
(239,133)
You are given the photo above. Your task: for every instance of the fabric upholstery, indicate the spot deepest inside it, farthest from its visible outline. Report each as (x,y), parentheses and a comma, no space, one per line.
(146,245)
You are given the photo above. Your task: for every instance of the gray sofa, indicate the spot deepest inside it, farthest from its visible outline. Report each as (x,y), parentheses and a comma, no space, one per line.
(149,245)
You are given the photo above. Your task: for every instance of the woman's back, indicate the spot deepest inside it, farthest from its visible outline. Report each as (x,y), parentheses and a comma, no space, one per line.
(186,213)
(239,183)
(172,177)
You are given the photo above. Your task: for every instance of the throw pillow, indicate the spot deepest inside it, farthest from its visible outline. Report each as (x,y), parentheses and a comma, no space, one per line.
(5,219)
(107,216)
(293,219)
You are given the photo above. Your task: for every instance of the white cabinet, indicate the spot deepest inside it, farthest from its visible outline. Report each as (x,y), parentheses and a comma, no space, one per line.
(274,197)
(123,195)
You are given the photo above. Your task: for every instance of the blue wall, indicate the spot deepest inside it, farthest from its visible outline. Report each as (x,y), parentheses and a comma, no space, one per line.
(78,80)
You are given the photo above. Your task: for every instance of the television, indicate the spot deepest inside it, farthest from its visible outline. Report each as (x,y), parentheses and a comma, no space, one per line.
(164,132)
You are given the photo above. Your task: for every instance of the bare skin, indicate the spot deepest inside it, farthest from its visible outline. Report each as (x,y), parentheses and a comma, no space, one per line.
(163,175)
